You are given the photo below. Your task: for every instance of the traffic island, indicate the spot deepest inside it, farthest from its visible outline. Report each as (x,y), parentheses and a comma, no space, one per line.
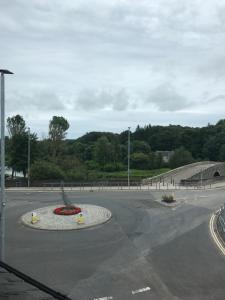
(168,200)
(46,219)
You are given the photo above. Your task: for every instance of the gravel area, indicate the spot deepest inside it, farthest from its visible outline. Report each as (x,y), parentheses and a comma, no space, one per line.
(93,215)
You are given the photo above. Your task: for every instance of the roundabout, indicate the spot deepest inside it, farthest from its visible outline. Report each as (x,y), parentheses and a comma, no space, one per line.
(130,257)
(47,219)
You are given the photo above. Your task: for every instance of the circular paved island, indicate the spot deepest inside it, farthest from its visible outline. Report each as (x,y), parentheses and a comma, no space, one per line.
(46,219)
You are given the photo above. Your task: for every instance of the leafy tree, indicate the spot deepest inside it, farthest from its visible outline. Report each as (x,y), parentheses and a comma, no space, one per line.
(17,145)
(115,151)
(92,137)
(57,132)
(77,149)
(112,167)
(102,151)
(43,150)
(123,137)
(17,157)
(141,146)
(158,161)
(210,148)
(42,170)
(222,153)
(16,125)
(181,157)
(139,160)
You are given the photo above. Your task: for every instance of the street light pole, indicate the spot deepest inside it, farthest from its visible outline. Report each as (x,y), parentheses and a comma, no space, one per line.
(128,158)
(28,159)
(3,202)
(201,177)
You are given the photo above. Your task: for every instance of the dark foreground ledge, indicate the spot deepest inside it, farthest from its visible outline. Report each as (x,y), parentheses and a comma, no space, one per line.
(15,285)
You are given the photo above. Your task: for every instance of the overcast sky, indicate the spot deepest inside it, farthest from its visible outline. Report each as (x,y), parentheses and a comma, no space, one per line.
(106,65)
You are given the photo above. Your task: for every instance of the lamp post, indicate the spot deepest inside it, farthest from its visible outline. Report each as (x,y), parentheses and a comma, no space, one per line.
(2,203)
(201,177)
(28,159)
(128,158)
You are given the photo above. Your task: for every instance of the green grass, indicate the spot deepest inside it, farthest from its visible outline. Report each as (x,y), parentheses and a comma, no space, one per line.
(134,173)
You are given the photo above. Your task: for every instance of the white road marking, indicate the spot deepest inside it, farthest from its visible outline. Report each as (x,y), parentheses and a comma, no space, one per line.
(216,240)
(141,290)
(104,298)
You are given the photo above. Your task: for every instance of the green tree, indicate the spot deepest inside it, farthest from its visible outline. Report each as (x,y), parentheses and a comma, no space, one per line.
(181,157)
(210,148)
(57,132)
(42,170)
(18,152)
(102,151)
(44,148)
(16,125)
(222,153)
(17,145)
(141,146)
(115,151)
(158,162)
(139,160)
(77,149)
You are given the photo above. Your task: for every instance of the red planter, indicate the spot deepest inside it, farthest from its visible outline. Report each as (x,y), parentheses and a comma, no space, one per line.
(67,211)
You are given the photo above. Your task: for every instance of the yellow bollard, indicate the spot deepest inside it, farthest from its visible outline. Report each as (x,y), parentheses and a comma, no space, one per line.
(80,219)
(34,218)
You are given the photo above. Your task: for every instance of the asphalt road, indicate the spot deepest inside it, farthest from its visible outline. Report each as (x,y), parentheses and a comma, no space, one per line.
(146,251)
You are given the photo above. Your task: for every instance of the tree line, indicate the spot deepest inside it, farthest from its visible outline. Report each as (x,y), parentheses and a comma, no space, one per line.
(56,157)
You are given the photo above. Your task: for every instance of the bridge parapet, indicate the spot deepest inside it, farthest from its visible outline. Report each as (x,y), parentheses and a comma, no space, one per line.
(181,173)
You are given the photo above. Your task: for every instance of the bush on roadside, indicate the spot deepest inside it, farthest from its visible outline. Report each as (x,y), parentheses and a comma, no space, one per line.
(76,175)
(168,198)
(43,170)
(110,167)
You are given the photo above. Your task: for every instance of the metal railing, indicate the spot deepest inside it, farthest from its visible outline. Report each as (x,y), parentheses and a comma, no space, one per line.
(112,185)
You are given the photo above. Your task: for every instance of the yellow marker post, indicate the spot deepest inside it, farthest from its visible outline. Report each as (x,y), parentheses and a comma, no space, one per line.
(80,219)
(34,218)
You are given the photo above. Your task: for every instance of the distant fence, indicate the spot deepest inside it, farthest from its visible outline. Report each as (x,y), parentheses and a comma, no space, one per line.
(20,182)
(57,183)
(104,185)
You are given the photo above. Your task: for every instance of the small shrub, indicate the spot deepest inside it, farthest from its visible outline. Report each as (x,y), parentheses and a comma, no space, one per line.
(92,165)
(168,198)
(76,175)
(114,167)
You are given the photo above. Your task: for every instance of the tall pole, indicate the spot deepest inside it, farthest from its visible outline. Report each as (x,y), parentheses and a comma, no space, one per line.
(201,177)
(128,158)
(3,201)
(2,221)
(28,159)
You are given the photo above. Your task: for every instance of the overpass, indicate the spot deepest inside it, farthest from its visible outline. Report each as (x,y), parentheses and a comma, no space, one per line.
(205,171)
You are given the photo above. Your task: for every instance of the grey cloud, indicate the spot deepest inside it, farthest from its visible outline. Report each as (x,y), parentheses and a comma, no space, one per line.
(152,32)
(166,98)
(68,46)
(93,100)
(38,101)
(214,67)
(215,99)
